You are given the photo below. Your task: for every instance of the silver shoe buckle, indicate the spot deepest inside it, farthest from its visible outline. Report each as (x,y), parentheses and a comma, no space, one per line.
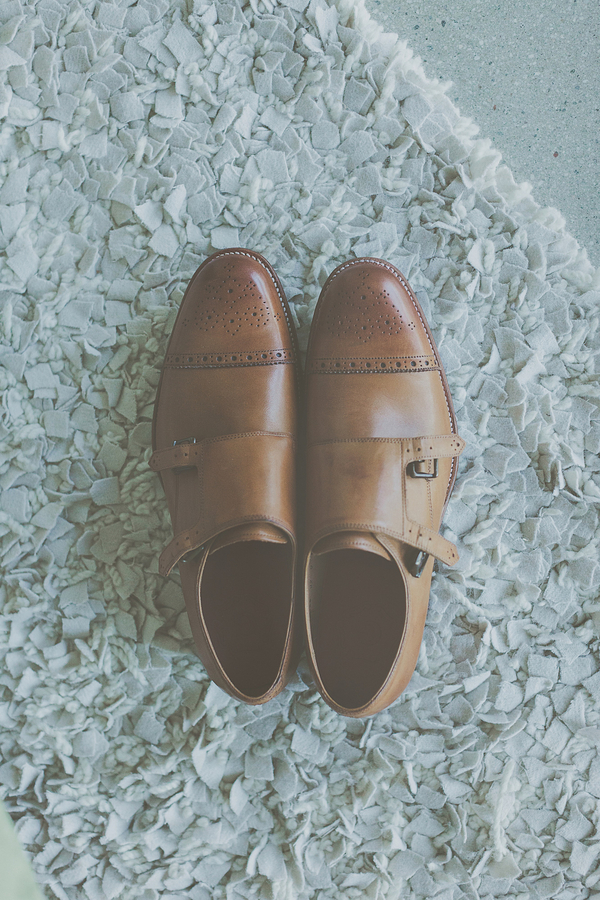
(418,564)
(190,440)
(415,473)
(192,554)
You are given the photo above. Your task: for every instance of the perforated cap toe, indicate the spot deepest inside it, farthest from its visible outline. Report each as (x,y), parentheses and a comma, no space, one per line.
(369,313)
(231,306)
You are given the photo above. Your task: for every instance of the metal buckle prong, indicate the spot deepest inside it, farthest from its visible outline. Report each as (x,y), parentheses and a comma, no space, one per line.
(415,473)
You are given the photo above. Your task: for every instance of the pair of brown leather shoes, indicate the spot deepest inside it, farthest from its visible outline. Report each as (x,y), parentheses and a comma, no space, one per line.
(378,462)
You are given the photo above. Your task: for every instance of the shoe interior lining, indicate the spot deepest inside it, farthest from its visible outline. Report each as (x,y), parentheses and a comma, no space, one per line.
(245,595)
(358,609)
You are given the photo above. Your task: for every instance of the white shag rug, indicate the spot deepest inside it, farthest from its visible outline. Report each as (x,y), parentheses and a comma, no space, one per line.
(135,140)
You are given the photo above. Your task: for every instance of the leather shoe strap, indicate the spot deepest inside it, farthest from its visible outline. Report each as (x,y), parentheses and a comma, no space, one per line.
(243,477)
(346,487)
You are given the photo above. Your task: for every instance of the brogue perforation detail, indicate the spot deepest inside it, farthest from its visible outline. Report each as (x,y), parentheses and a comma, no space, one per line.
(366,313)
(229,305)
(227,360)
(374,365)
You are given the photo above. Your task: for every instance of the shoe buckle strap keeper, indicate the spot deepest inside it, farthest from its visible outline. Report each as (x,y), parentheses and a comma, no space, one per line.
(228,496)
(345,470)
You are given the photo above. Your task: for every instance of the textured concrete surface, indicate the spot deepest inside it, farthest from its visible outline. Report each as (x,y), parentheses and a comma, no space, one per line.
(528,74)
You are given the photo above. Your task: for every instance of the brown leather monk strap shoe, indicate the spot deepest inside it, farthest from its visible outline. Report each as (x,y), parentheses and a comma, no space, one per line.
(382,455)
(224,433)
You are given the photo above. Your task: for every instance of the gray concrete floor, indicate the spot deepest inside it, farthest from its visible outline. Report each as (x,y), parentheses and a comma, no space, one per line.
(528,74)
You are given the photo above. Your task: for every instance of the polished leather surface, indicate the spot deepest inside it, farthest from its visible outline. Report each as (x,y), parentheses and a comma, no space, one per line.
(378,415)
(224,441)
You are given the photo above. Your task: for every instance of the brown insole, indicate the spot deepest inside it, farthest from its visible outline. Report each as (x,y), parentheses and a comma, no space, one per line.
(245,596)
(359,607)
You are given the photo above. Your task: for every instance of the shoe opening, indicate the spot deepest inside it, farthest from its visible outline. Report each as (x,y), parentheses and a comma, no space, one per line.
(357,612)
(245,596)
